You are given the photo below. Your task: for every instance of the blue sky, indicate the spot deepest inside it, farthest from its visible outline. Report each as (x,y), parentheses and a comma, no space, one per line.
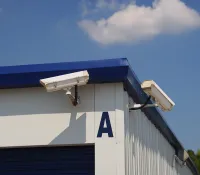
(161,42)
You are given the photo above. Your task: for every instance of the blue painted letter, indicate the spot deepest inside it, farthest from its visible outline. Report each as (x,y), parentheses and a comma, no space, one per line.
(108,128)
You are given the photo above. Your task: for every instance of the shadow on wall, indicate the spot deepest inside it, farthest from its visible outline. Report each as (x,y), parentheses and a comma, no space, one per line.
(148,137)
(75,133)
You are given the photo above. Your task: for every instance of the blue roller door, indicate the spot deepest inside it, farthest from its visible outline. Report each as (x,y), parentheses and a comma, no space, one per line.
(69,160)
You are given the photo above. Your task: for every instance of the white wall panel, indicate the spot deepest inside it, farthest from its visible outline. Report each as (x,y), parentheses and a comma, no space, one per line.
(105,156)
(109,151)
(184,170)
(31,116)
(147,152)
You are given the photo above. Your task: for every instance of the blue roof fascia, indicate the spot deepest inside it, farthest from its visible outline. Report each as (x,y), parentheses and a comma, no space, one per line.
(100,71)
(63,66)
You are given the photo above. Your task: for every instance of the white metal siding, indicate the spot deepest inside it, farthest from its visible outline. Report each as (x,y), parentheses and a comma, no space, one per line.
(184,170)
(147,152)
(31,117)
(109,159)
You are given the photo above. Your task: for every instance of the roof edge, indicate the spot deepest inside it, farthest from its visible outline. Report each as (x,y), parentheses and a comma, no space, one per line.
(59,66)
(101,71)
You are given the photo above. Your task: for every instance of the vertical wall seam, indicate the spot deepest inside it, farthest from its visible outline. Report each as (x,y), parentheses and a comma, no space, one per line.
(94,112)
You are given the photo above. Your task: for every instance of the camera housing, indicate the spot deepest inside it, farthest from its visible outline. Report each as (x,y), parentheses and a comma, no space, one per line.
(158,95)
(66,81)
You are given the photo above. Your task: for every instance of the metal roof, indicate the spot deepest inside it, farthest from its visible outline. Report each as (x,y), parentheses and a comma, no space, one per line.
(100,71)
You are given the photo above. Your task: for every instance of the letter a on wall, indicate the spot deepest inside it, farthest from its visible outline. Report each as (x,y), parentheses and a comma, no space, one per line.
(108,129)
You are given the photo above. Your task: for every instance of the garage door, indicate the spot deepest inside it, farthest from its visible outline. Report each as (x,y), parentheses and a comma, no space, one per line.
(71,160)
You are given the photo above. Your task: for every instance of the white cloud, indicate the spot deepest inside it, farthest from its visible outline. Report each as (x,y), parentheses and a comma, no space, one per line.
(89,7)
(109,4)
(135,23)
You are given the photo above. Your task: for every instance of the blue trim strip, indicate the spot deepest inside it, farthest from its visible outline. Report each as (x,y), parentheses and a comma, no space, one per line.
(103,71)
(66,66)
(100,71)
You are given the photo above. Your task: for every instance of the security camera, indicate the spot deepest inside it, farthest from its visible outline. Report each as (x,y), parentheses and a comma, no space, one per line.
(182,159)
(185,155)
(66,81)
(158,95)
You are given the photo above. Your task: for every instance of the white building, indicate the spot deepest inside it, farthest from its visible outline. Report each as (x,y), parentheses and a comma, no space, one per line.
(42,133)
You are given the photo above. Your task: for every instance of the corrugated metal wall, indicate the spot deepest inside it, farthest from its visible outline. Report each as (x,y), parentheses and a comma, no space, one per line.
(147,152)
